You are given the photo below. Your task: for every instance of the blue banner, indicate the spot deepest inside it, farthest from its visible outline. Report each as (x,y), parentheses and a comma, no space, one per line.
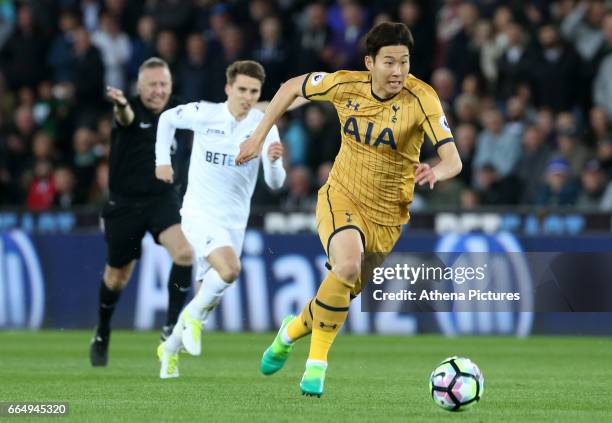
(52,281)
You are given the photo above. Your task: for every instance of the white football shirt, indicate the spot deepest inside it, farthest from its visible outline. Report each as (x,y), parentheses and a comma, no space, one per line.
(218,191)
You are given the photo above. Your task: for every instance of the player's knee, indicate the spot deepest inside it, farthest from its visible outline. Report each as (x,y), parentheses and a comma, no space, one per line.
(183,255)
(116,280)
(230,272)
(348,270)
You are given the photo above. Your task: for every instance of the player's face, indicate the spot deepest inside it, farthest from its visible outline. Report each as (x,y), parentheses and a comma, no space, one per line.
(389,70)
(155,88)
(243,94)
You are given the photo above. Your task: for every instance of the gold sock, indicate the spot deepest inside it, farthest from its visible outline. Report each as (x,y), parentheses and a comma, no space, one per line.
(302,325)
(329,308)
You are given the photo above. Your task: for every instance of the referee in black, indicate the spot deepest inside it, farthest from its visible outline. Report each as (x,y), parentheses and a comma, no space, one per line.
(139,202)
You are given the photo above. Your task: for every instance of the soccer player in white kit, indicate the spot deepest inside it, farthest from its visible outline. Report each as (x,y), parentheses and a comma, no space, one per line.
(217,201)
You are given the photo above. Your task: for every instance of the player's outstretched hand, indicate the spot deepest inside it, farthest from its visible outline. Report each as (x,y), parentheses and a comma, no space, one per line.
(275,151)
(164,173)
(249,149)
(424,174)
(116,96)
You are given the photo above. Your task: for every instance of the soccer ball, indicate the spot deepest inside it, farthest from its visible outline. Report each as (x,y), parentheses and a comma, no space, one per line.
(456,384)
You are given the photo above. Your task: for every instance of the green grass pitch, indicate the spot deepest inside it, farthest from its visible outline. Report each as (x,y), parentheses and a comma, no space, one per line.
(370,378)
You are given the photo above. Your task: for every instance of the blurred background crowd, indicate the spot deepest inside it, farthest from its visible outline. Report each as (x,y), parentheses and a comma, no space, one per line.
(526,85)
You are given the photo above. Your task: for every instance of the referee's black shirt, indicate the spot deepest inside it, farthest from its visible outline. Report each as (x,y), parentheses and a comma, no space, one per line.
(132,155)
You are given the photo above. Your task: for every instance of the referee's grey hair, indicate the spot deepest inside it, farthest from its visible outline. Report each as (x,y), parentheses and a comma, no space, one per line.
(153,62)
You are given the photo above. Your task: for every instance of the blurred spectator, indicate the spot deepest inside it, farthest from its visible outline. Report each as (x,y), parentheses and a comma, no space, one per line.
(41,191)
(43,147)
(516,64)
(571,148)
(233,49)
(582,27)
(90,9)
(602,85)
(447,194)
(465,139)
(142,45)
(299,195)
(495,189)
(347,36)
(192,79)
(545,121)
(273,54)
(100,192)
(114,45)
(171,15)
(310,48)
(20,57)
(443,81)
(496,145)
(534,159)
(559,189)
(463,55)
(516,116)
(599,126)
(565,122)
(87,87)
(166,46)
(323,140)
(593,186)
(84,162)
(557,64)
(419,17)
(61,57)
(7,21)
(257,11)
(467,109)
(469,199)
(604,155)
(63,178)
(323,173)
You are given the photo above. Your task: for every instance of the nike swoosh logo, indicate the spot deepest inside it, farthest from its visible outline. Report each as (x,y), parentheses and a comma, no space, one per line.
(145,125)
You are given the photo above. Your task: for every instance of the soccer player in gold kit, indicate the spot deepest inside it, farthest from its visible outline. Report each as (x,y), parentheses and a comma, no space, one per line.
(385,113)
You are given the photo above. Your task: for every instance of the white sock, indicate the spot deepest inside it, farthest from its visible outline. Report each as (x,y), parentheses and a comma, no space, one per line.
(174,342)
(208,296)
(285,336)
(310,362)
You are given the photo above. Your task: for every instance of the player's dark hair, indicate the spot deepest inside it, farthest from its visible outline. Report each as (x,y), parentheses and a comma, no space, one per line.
(388,34)
(245,67)
(153,62)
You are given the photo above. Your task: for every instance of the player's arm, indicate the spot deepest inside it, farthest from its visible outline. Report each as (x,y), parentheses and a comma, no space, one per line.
(283,98)
(272,160)
(435,126)
(124,115)
(448,167)
(297,103)
(180,117)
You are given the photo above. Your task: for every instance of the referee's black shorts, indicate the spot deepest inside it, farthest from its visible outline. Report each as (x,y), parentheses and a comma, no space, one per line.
(126,220)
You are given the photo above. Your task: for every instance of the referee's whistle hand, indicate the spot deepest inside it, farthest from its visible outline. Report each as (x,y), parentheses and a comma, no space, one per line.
(164,173)
(116,95)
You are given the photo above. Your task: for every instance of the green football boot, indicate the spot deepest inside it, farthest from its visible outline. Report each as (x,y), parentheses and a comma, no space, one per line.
(313,380)
(276,355)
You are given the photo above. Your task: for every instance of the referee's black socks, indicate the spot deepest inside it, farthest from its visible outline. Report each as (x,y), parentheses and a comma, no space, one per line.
(108,301)
(179,284)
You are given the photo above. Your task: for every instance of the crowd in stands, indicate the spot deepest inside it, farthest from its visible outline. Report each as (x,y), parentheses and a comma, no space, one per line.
(526,86)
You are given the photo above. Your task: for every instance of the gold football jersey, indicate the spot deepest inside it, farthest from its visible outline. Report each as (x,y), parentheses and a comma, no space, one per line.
(381,139)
